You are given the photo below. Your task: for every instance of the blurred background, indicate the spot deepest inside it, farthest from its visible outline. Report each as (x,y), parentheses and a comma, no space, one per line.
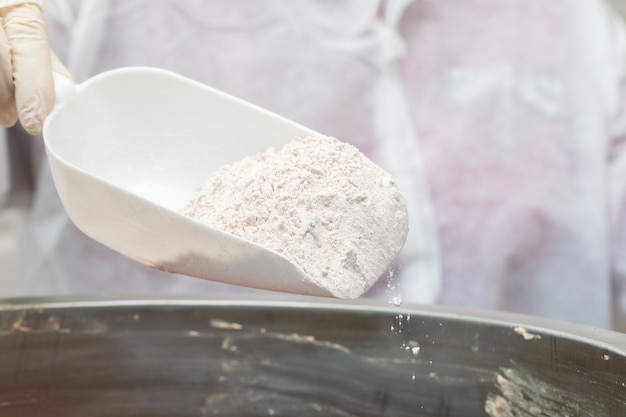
(620,6)
(12,219)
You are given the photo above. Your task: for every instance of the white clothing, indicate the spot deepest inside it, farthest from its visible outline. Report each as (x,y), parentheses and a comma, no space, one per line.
(502,121)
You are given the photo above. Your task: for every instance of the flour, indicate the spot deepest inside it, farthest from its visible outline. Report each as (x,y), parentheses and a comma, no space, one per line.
(318,202)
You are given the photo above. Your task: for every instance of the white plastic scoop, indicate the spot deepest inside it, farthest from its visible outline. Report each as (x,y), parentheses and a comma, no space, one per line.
(128,148)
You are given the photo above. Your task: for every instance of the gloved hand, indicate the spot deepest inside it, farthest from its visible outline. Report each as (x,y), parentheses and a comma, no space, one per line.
(26,64)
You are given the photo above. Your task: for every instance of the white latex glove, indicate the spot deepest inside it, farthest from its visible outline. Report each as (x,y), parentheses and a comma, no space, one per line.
(26,64)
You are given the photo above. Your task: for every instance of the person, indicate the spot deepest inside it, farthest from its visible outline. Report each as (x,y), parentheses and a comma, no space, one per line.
(503,123)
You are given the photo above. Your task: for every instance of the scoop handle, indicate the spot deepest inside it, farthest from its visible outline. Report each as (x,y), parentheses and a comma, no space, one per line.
(64,88)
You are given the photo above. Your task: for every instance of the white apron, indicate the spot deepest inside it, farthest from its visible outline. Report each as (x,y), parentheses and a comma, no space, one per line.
(500,120)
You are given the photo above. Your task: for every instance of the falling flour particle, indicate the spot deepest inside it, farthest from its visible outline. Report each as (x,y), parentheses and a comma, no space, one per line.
(396,301)
(318,202)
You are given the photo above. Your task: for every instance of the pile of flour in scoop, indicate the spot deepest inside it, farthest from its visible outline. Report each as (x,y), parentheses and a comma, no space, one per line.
(318,202)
